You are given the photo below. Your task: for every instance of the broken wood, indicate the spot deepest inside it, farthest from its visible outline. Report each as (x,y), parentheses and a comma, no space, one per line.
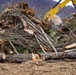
(2,56)
(34,19)
(71,46)
(11,45)
(30,31)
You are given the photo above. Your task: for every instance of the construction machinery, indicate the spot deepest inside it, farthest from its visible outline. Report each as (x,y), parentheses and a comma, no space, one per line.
(54,10)
(51,14)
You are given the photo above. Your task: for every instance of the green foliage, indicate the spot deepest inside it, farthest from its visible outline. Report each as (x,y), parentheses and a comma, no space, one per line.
(21,50)
(26,51)
(54,35)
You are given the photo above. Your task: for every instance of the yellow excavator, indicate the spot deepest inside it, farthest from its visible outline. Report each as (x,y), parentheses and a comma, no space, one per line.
(51,14)
(57,8)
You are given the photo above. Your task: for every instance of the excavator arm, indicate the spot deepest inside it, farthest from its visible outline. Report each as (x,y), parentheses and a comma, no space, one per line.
(57,8)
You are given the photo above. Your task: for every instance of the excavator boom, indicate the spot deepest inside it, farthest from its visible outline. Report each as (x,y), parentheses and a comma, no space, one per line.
(57,8)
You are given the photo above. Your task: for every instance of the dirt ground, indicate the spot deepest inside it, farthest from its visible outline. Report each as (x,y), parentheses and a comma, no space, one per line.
(39,68)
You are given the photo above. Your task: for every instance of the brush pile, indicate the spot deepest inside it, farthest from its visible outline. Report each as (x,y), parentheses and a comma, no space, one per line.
(23,32)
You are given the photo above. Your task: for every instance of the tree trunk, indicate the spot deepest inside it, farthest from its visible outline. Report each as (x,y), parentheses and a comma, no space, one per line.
(28,57)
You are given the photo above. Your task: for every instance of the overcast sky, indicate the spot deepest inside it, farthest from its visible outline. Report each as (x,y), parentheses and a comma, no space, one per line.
(70,3)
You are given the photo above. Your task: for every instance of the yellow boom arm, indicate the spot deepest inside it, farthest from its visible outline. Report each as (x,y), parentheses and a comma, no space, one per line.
(57,8)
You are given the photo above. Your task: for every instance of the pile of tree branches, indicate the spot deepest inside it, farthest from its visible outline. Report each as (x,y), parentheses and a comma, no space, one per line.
(22,32)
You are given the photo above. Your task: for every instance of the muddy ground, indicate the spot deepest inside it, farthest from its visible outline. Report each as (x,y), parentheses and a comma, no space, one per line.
(39,68)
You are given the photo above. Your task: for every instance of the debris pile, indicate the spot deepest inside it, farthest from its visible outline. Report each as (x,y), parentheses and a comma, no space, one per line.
(23,32)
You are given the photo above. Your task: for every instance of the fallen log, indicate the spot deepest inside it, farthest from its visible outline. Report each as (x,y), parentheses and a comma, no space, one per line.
(28,57)
(61,55)
(18,58)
